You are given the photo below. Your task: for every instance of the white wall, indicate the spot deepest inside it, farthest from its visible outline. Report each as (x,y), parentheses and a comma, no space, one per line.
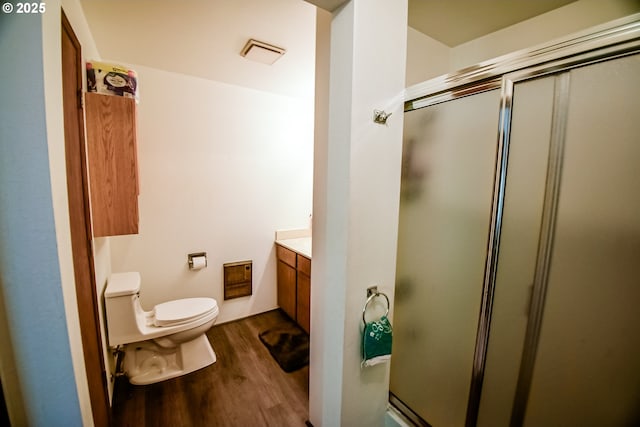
(221,168)
(426,57)
(568,19)
(320,366)
(102,269)
(358,217)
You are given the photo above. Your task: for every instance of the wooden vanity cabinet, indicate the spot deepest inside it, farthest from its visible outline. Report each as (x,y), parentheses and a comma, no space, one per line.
(113,166)
(294,285)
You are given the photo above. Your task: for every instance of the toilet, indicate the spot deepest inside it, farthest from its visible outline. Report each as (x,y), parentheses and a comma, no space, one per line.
(163,343)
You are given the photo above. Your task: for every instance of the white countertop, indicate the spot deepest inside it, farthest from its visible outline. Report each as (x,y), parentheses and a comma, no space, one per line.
(301,245)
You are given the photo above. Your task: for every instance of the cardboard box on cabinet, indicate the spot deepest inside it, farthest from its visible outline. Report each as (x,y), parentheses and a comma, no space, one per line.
(112,79)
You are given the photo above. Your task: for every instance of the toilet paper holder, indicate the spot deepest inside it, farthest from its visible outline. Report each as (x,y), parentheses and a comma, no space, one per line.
(191,257)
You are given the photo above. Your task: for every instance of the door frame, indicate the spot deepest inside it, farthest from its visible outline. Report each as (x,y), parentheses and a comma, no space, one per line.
(81,234)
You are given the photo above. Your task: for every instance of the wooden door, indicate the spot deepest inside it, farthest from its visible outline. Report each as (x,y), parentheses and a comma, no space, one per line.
(81,225)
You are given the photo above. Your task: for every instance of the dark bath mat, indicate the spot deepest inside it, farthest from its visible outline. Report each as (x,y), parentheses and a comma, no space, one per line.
(288,344)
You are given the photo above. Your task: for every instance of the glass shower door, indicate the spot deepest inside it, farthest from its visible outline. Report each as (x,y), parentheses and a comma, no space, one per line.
(587,369)
(563,346)
(530,136)
(564,343)
(445,213)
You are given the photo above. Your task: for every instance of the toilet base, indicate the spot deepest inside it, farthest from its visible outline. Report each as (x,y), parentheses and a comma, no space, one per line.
(147,363)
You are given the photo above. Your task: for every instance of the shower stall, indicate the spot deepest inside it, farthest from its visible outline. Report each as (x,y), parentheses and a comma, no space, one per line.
(518,272)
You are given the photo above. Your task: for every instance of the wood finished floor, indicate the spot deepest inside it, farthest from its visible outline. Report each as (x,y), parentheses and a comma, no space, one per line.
(244,388)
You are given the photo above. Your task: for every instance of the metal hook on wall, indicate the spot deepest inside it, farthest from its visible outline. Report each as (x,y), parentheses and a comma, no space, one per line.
(380,117)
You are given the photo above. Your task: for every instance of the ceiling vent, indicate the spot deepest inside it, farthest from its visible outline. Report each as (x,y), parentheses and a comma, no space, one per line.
(262,52)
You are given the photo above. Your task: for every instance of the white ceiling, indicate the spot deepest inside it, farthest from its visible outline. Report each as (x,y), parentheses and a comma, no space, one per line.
(454,22)
(204,39)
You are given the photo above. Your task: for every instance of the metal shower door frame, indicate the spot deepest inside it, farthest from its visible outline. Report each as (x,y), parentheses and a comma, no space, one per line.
(617,39)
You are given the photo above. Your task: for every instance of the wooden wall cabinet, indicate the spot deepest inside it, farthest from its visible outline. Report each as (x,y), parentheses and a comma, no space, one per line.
(113,165)
(294,285)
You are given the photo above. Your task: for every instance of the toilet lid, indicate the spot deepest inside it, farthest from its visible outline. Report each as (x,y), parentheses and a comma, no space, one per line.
(182,310)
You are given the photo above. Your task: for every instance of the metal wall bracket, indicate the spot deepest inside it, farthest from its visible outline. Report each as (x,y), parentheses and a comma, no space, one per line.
(380,117)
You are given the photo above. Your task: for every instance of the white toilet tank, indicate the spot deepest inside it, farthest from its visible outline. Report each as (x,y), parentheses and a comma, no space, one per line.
(120,284)
(123,307)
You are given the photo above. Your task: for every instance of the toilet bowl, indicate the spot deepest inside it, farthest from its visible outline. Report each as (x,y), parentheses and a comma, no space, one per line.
(163,343)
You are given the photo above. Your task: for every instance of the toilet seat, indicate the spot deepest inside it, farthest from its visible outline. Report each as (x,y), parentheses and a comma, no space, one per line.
(181,311)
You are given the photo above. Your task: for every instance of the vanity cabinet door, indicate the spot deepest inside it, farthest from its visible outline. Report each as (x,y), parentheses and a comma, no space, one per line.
(303,306)
(113,169)
(294,286)
(286,274)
